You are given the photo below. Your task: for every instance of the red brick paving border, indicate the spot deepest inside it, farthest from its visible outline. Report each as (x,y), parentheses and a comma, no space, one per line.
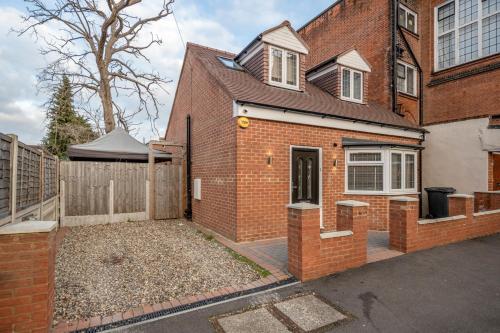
(276,276)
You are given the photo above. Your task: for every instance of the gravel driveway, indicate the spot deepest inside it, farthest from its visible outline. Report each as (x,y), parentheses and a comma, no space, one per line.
(109,268)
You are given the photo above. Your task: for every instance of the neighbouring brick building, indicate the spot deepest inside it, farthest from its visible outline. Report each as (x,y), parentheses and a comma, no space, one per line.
(340,110)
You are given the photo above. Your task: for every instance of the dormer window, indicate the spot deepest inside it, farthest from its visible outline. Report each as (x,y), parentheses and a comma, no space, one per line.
(284,68)
(352,85)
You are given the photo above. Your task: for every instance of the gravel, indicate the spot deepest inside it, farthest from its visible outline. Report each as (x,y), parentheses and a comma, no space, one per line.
(111,268)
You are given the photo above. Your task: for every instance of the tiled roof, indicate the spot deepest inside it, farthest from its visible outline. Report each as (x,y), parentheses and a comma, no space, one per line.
(243,87)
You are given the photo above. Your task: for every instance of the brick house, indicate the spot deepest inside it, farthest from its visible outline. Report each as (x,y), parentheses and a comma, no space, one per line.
(401,74)
(269,127)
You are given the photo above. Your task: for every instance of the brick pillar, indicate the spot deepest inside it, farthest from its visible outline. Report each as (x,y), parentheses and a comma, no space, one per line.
(461,204)
(353,215)
(303,239)
(403,218)
(27,268)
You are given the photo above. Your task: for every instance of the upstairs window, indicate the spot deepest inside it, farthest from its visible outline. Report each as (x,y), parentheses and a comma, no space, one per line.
(284,68)
(407,79)
(466,30)
(352,85)
(407,19)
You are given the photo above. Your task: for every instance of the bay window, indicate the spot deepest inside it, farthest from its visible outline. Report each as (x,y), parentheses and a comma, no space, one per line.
(466,30)
(383,171)
(351,85)
(284,68)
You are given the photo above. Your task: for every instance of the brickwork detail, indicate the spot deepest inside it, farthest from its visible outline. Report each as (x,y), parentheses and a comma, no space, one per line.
(311,257)
(407,234)
(27,268)
(484,201)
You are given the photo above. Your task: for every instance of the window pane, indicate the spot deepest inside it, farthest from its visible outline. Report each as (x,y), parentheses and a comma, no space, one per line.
(300,180)
(410,81)
(401,77)
(401,17)
(346,83)
(468,43)
(446,17)
(309,178)
(491,34)
(446,50)
(467,11)
(410,171)
(357,85)
(277,63)
(291,68)
(396,171)
(365,178)
(490,6)
(410,25)
(365,157)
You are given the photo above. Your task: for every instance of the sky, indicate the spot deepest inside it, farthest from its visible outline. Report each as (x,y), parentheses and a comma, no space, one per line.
(224,24)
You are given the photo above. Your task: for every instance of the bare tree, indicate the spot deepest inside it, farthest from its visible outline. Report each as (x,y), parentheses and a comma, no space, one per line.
(96,44)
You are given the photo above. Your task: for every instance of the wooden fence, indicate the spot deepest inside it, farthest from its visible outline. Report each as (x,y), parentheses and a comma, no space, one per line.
(28,182)
(109,192)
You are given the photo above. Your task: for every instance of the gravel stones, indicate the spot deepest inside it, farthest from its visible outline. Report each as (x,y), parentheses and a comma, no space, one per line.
(105,269)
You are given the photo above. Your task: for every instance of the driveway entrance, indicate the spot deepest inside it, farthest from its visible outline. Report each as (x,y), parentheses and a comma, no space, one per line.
(378,246)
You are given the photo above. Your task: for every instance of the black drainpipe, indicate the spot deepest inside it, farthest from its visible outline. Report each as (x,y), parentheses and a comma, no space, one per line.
(394,56)
(188,213)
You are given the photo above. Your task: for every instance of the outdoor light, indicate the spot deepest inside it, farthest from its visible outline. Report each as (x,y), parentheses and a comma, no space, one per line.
(269,160)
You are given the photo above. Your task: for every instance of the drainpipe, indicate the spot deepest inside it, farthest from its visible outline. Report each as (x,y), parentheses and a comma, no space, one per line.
(188,212)
(394,16)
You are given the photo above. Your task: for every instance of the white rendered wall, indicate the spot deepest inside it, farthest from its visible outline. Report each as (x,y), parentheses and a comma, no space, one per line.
(454,157)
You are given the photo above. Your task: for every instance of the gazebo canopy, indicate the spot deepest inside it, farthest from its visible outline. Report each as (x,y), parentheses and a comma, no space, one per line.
(116,145)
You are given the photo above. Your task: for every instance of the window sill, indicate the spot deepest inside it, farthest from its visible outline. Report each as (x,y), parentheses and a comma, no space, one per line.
(411,33)
(283,86)
(403,94)
(381,193)
(351,100)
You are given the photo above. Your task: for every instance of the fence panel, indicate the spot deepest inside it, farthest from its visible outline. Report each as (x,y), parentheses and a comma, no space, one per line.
(167,191)
(5,142)
(50,177)
(28,177)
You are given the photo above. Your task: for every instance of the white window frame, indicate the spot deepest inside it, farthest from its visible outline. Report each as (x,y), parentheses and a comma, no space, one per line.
(405,25)
(456,29)
(351,78)
(387,171)
(284,72)
(406,79)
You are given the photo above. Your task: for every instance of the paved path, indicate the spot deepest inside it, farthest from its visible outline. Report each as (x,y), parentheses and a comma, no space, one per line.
(455,288)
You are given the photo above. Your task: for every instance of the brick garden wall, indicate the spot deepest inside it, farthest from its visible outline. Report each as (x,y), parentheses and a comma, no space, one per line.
(263,191)
(312,255)
(408,234)
(27,268)
(484,201)
(213,142)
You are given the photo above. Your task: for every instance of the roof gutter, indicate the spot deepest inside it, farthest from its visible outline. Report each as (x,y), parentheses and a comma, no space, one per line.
(323,115)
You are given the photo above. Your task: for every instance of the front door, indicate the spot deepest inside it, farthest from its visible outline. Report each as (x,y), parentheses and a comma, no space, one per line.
(496,172)
(305,175)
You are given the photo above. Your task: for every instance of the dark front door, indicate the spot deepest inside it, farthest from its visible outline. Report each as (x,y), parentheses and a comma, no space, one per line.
(496,172)
(305,175)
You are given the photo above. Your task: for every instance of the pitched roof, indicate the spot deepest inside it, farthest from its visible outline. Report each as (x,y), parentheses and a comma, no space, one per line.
(243,87)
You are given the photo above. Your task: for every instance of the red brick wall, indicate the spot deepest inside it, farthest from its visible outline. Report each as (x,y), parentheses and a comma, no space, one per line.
(470,97)
(213,145)
(263,191)
(27,267)
(486,201)
(362,25)
(310,257)
(407,235)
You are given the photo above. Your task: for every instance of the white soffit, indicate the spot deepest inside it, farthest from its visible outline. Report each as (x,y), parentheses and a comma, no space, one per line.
(285,38)
(354,60)
(273,114)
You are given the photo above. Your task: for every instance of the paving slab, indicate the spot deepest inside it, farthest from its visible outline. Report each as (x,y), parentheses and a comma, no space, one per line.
(259,320)
(309,312)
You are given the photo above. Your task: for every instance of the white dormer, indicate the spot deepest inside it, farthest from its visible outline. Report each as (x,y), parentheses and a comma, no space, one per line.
(344,76)
(276,57)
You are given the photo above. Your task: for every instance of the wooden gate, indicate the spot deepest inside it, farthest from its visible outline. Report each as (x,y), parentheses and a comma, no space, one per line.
(167,191)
